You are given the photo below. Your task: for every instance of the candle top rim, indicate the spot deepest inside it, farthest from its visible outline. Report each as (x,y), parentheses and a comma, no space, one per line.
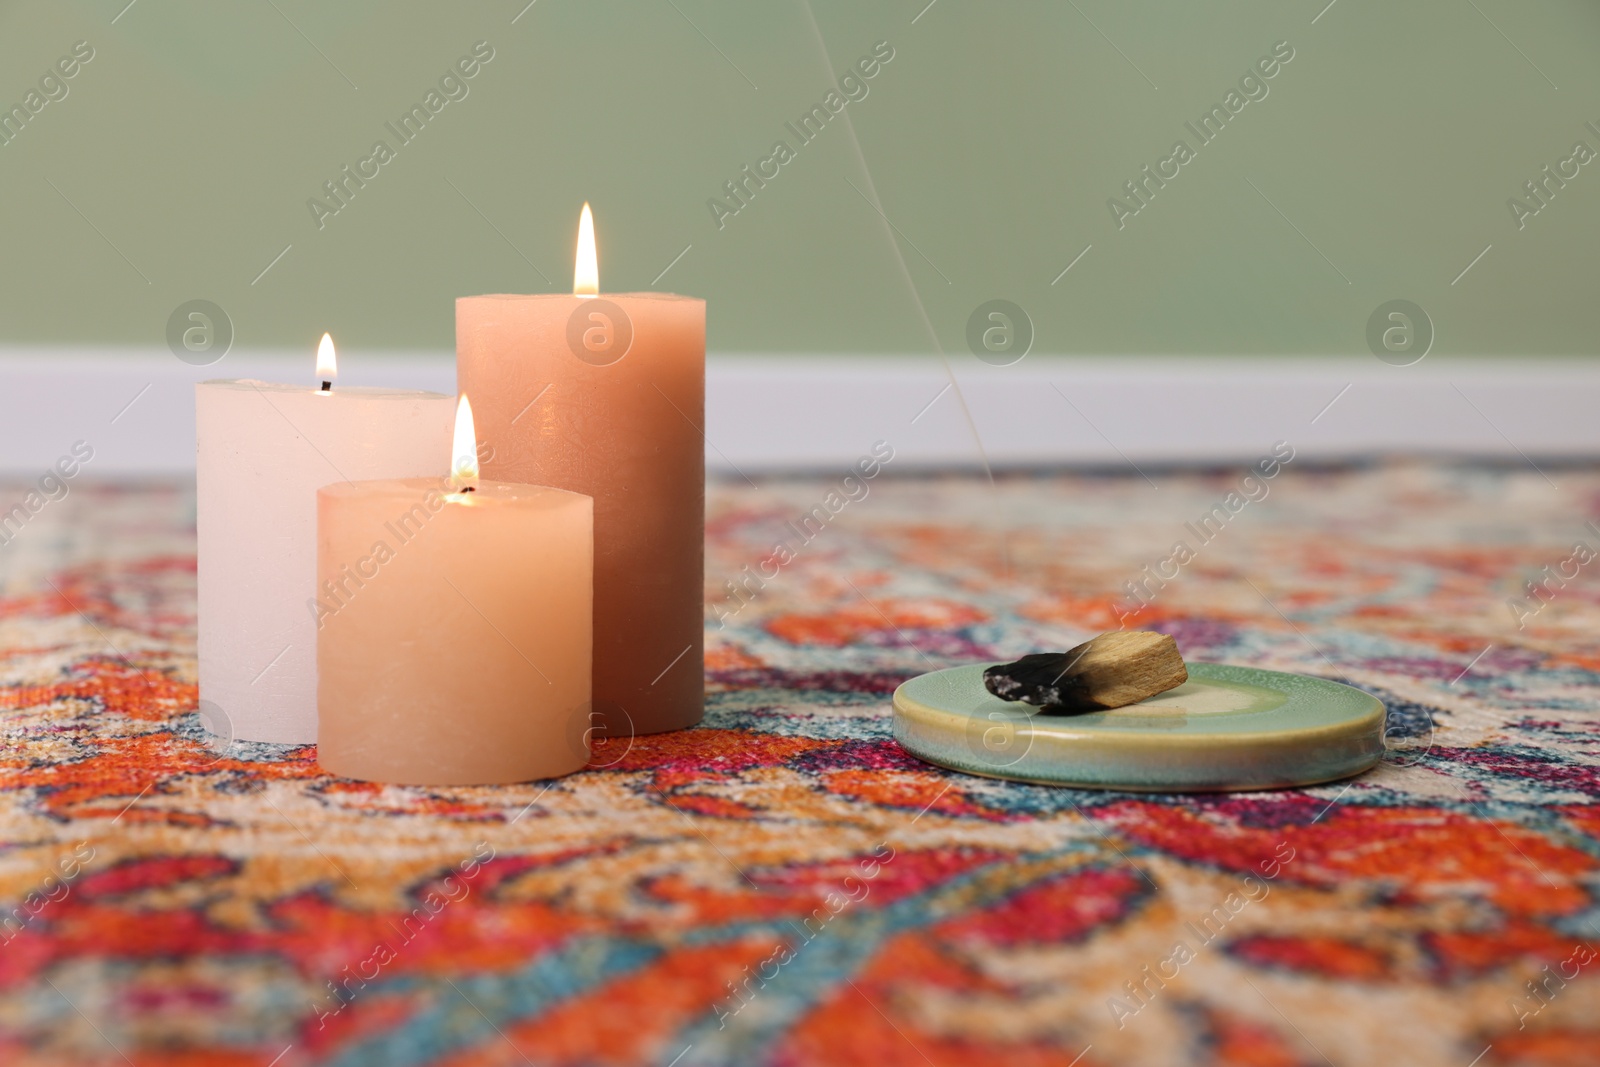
(603,295)
(257,385)
(489,493)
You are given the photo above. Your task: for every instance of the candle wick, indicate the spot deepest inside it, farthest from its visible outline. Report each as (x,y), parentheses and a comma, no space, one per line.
(327,387)
(469,489)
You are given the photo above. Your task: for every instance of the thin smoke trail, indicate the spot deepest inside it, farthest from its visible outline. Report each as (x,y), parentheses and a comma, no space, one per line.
(905,271)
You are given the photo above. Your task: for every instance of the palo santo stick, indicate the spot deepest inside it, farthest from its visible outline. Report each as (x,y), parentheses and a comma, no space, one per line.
(1112,670)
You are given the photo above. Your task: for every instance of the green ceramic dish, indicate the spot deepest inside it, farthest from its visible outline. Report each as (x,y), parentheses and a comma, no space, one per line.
(1226,728)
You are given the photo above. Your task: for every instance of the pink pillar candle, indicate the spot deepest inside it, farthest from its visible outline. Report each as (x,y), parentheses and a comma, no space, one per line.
(605,396)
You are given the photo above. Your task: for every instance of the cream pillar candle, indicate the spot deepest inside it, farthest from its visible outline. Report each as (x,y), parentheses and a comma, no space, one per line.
(262,451)
(605,395)
(456,629)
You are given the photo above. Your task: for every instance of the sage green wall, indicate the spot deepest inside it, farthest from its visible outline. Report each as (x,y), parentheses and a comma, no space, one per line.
(1377,167)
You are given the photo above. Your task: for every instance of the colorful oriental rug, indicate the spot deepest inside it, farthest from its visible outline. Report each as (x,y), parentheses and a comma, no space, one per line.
(783,885)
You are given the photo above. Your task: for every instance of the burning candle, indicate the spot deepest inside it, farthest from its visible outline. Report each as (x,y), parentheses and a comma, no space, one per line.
(262,451)
(605,395)
(456,627)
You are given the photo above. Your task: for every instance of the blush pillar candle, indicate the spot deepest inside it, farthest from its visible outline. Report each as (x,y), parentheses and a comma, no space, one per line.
(605,395)
(262,452)
(456,629)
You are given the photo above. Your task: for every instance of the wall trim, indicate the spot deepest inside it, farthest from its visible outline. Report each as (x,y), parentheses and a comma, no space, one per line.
(791,412)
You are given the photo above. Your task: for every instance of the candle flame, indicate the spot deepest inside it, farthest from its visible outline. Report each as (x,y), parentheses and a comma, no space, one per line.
(327,361)
(586,274)
(464,450)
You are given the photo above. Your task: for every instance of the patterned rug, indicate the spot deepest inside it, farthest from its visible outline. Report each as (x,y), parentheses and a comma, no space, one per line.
(783,885)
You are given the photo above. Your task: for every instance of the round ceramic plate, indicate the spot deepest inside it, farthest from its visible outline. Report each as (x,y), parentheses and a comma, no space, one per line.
(1226,728)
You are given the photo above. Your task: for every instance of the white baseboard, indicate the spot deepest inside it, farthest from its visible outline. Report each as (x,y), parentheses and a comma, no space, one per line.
(136,408)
